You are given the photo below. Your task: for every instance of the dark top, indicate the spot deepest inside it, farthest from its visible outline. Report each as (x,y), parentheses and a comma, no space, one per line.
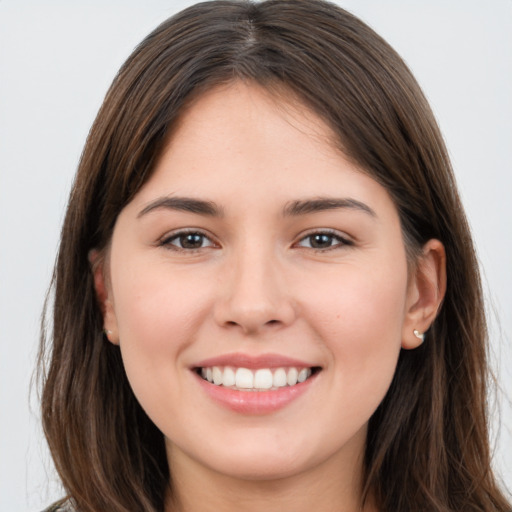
(60,506)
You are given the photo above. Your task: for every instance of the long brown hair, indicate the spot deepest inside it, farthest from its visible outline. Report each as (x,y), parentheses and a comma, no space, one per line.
(427,446)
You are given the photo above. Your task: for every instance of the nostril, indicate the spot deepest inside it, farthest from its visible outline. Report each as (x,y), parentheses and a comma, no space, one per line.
(252,313)
(270,322)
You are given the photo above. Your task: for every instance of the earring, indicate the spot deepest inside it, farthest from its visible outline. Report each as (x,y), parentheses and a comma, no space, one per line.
(107,333)
(419,335)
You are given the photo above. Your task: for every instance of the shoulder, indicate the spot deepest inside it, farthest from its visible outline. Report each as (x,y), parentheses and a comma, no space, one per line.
(61,506)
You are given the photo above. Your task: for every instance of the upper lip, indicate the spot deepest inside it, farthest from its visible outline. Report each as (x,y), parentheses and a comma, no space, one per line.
(240,360)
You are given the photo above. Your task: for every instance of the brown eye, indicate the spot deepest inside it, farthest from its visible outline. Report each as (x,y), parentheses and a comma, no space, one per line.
(323,240)
(188,241)
(191,241)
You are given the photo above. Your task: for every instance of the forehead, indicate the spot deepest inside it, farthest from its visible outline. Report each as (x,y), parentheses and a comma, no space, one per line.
(242,141)
(245,110)
(246,121)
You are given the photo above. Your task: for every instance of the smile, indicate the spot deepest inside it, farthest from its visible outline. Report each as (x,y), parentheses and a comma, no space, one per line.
(255,385)
(261,379)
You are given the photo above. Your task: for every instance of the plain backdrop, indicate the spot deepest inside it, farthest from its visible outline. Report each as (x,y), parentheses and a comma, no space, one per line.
(57,59)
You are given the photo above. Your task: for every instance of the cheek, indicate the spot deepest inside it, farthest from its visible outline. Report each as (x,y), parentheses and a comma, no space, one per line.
(359,317)
(158,316)
(155,307)
(359,300)
(157,321)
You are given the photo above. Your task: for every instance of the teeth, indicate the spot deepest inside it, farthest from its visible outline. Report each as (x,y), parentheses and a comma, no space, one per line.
(217,375)
(261,379)
(303,375)
(279,378)
(244,378)
(229,378)
(293,373)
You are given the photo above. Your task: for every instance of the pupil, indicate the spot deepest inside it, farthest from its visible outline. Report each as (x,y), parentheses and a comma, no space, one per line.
(191,241)
(321,241)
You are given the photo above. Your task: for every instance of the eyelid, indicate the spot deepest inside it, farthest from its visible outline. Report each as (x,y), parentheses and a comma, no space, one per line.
(344,239)
(165,240)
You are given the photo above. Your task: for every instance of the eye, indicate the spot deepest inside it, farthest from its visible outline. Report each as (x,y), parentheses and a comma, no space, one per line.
(323,240)
(187,240)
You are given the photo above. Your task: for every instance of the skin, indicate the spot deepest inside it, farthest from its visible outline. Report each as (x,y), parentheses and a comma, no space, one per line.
(258,284)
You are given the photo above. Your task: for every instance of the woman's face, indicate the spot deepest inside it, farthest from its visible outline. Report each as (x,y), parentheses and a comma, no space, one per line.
(255,257)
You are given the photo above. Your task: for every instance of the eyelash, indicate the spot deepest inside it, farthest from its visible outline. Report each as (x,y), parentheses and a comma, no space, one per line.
(167,241)
(331,234)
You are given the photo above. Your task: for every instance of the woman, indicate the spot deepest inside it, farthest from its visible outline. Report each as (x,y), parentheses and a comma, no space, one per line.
(266,293)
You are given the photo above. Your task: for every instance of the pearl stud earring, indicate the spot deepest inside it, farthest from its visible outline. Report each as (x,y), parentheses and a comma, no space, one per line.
(419,335)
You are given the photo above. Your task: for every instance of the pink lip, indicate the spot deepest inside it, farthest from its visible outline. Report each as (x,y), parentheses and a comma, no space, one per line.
(240,360)
(255,402)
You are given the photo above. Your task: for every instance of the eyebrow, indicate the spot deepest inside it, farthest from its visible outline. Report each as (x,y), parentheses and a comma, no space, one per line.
(184,204)
(293,209)
(320,204)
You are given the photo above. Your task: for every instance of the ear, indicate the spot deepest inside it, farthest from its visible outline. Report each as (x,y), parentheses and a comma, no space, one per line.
(104,295)
(426,290)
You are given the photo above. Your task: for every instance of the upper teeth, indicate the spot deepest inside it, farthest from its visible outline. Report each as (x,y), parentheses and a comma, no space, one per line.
(263,378)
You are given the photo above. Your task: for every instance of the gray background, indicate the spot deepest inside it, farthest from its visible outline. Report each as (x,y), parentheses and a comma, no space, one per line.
(57,59)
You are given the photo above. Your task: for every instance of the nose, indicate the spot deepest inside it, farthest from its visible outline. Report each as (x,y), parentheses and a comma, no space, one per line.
(253,295)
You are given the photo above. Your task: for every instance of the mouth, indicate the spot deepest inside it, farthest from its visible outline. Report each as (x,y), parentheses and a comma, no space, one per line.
(257,379)
(255,385)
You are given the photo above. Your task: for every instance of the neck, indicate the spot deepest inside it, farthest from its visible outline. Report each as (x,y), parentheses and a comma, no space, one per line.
(329,487)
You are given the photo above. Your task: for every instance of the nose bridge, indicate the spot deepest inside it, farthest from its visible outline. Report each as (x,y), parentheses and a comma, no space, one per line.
(254,295)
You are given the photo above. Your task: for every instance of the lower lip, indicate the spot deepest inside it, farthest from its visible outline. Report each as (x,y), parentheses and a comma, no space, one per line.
(255,402)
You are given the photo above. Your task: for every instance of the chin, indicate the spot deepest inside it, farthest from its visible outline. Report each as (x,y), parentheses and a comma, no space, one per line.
(261,469)
(267,460)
